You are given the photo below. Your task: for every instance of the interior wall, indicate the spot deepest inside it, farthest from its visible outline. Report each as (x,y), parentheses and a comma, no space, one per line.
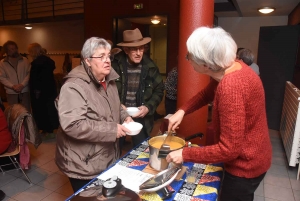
(102,25)
(58,38)
(245,30)
(294,16)
(158,49)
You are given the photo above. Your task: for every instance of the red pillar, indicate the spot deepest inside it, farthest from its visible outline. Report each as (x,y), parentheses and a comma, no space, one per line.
(193,14)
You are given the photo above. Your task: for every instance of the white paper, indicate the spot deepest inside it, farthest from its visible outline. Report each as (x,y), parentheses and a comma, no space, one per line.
(131,178)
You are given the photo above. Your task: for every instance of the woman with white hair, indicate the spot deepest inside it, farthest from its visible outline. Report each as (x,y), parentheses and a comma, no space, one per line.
(90,116)
(241,138)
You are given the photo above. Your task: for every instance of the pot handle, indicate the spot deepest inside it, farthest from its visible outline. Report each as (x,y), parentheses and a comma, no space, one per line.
(200,135)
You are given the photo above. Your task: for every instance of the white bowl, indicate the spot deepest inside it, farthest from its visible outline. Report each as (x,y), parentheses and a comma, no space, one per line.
(134,127)
(132,110)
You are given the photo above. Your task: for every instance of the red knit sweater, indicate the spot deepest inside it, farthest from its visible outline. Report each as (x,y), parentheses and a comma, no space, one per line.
(241,134)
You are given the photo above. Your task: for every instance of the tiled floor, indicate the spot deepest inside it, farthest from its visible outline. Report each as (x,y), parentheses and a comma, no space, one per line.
(49,184)
(280,182)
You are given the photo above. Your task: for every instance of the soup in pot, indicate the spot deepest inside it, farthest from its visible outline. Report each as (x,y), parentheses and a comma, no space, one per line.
(173,145)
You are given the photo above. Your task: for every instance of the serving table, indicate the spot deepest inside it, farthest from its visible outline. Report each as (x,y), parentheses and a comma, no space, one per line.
(205,188)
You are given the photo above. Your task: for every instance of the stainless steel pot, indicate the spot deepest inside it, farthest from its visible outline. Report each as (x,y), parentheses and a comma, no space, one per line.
(161,163)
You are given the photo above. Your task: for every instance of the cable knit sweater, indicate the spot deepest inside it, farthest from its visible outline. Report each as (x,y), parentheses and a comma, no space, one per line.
(240,126)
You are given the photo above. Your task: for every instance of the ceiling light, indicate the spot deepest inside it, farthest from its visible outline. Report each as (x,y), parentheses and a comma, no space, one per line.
(266,10)
(155,20)
(28,26)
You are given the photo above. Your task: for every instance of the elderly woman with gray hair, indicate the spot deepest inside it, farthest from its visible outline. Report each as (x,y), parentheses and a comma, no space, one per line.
(90,116)
(241,137)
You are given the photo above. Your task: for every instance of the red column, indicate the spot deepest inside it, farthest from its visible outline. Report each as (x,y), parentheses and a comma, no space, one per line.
(193,14)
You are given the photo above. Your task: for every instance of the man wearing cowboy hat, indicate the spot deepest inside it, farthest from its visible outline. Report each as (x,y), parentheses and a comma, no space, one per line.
(140,83)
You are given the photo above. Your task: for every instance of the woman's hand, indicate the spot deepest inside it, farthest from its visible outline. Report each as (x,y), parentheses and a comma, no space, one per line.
(122,131)
(175,157)
(128,119)
(175,120)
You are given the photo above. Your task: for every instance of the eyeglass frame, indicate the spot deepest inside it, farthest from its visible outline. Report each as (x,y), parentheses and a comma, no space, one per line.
(111,57)
(187,57)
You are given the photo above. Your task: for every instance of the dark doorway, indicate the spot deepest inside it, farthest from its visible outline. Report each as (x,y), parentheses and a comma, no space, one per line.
(158,33)
(277,59)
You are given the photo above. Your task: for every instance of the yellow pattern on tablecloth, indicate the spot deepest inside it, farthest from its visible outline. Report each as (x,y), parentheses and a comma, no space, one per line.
(210,168)
(201,190)
(150,196)
(143,155)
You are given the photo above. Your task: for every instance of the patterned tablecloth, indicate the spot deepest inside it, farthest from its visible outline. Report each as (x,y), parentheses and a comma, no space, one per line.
(205,188)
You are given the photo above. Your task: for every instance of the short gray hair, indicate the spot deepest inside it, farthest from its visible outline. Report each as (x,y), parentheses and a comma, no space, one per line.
(213,47)
(246,55)
(91,45)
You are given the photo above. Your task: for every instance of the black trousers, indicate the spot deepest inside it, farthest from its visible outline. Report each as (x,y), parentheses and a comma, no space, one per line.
(239,189)
(78,183)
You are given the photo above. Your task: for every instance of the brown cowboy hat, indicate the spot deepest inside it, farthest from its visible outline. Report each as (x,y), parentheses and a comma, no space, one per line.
(133,38)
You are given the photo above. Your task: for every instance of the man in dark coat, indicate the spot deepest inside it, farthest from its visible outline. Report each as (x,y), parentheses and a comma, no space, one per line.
(140,83)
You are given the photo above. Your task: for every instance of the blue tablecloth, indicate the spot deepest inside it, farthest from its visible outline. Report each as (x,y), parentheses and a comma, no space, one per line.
(205,188)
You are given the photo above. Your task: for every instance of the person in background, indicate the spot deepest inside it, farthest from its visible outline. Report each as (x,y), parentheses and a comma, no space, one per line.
(171,91)
(248,58)
(43,91)
(67,65)
(1,53)
(140,83)
(113,51)
(90,115)
(241,136)
(14,75)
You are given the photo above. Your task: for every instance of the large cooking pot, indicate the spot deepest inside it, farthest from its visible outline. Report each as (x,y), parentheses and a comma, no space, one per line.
(155,143)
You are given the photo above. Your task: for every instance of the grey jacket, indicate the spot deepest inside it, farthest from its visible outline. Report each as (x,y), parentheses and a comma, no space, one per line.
(86,141)
(10,77)
(17,115)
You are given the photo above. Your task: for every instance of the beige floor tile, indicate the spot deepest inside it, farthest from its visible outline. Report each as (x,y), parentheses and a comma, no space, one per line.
(292,172)
(50,166)
(258,198)
(260,190)
(42,159)
(295,184)
(269,199)
(35,193)
(279,160)
(277,180)
(54,182)
(278,193)
(65,190)
(60,172)
(55,197)
(45,147)
(278,169)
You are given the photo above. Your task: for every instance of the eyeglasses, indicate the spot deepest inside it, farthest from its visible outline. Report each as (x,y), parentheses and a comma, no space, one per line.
(104,58)
(135,49)
(187,56)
